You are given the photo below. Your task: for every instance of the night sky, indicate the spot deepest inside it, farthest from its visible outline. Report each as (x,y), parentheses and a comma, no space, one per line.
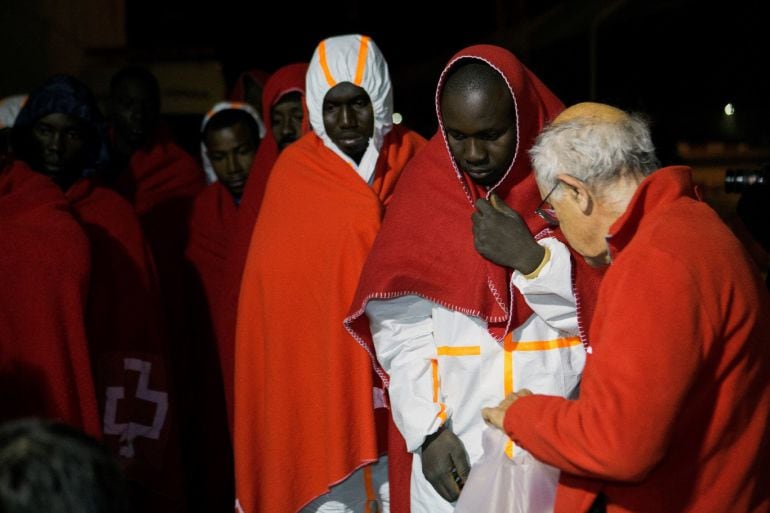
(677,61)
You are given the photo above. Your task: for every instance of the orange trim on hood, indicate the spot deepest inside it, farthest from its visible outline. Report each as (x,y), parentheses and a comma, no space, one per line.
(324,65)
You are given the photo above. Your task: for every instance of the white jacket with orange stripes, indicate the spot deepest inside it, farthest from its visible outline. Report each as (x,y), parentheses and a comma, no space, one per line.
(444,366)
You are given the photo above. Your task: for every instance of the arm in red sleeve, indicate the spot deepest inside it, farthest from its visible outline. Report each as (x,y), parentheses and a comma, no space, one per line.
(647,334)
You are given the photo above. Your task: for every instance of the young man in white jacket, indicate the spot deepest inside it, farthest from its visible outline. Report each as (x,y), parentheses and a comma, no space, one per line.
(468,291)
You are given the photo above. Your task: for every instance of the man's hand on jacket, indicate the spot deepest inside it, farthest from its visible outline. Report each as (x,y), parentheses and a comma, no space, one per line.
(500,235)
(445,463)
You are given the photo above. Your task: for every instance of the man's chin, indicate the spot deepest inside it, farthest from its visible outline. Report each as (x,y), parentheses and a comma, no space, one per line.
(53,169)
(237,192)
(485,179)
(353,147)
(136,139)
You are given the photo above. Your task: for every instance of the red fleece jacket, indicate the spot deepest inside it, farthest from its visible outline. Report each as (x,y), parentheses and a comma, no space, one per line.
(674,404)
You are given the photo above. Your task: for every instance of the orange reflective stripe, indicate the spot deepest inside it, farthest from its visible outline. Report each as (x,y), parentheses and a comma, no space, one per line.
(369,487)
(507,372)
(458,350)
(209,114)
(540,345)
(509,448)
(436,383)
(508,383)
(434,368)
(361,61)
(510,346)
(324,66)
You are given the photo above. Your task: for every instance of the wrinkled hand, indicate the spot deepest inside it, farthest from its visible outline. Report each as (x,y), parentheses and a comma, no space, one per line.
(445,463)
(500,235)
(496,415)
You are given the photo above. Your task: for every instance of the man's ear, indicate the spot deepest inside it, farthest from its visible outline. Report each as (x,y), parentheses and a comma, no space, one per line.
(578,192)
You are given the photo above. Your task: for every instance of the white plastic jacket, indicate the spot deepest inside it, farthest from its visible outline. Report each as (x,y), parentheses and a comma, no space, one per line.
(444,366)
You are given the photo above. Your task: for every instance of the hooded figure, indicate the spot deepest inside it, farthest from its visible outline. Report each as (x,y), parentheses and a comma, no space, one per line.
(211,175)
(230,134)
(230,137)
(448,329)
(300,383)
(161,181)
(287,84)
(60,133)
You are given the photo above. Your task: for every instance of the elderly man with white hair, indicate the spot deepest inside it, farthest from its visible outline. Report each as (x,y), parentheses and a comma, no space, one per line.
(675,397)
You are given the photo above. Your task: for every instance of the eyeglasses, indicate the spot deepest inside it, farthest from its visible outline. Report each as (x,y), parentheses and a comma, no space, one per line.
(548,214)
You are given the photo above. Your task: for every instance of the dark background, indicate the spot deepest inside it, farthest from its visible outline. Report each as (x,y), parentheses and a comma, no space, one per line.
(680,62)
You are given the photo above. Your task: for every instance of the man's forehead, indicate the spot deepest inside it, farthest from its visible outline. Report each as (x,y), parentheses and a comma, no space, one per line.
(133,86)
(345,91)
(60,120)
(290,97)
(237,130)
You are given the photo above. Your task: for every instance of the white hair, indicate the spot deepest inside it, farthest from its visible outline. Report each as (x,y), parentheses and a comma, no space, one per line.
(594,151)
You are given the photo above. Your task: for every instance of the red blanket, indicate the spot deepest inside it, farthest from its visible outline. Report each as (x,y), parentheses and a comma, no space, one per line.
(212,220)
(304,411)
(162,181)
(44,270)
(128,345)
(211,224)
(158,173)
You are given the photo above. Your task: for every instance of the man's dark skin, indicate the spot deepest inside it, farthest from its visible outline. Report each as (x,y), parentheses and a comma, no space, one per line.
(231,151)
(479,120)
(134,110)
(286,118)
(58,144)
(349,119)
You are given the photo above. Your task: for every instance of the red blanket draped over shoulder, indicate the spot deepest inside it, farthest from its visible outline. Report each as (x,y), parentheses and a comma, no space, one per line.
(128,346)
(45,369)
(304,410)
